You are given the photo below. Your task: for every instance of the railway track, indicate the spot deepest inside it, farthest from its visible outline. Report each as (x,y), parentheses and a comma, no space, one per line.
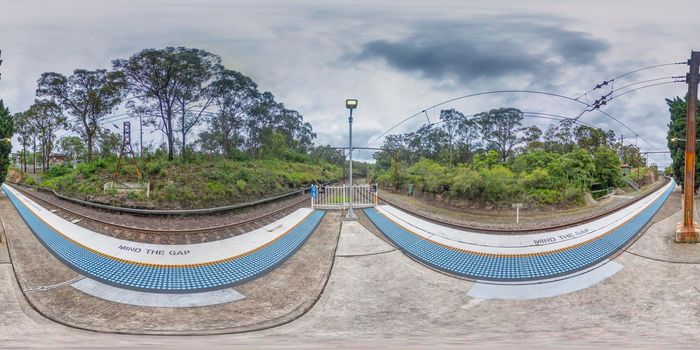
(518,230)
(296,204)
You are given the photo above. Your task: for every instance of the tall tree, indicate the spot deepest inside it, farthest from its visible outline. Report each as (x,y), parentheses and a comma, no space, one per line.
(197,69)
(72,146)
(500,128)
(533,137)
(235,96)
(6,131)
(167,83)
(47,118)
(88,96)
(261,119)
(559,137)
(25,132)
(110,143)
(590,138)
(451,120)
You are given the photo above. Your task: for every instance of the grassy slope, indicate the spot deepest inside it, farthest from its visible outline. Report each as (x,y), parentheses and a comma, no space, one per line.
(198,184)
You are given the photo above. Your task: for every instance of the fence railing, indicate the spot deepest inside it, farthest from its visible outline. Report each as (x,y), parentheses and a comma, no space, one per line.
(338,197)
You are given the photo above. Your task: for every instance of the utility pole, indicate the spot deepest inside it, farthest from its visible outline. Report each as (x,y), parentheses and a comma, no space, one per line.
(687,232)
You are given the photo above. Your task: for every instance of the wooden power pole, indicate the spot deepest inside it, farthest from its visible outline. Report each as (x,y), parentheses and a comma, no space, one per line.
(688,232)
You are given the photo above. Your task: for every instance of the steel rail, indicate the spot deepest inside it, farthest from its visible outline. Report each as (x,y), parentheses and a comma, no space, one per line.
(521,230)
(163,231)
(168,212)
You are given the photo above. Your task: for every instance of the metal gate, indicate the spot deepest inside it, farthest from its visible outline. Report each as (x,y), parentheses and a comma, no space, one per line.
(338,197)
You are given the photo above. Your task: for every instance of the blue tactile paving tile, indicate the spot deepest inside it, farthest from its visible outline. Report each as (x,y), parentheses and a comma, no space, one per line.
(169,279)
(515,268)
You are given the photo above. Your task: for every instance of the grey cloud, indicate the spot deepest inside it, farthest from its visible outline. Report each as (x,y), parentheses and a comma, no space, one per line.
(486,49)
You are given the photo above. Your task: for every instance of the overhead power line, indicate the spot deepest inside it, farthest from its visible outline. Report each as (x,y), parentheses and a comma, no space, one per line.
(509,91)
(610,81)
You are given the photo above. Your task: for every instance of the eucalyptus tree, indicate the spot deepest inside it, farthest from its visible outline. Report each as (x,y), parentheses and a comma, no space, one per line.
(169,83)
(110,143)
(88,96)
(235,95)
(298,134)
(72,146)
(47,118)
(198,69)
(451,119)
(500,128)
(6,131)
(25,132)
(261,120)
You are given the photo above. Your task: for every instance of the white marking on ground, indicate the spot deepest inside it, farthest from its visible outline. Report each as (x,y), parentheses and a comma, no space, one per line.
(132,297)
(164,254)
(518,244)
(548,289)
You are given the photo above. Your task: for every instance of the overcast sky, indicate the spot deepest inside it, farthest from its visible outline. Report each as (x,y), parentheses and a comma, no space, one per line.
(397,58)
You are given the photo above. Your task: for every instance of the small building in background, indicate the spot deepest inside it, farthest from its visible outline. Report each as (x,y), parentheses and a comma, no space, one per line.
(626,170)
(59,159)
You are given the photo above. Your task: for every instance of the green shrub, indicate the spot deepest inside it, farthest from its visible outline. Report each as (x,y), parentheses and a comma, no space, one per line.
(58,170)
(538,178)
(545,197)
(467,183)
(240,184)
(216,188)
(155,168)
(29,180)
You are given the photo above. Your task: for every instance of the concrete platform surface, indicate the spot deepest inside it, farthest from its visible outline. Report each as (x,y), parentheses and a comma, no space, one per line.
(164,254)
(388,301)
(578,281)
(277,297)
(356,240)
(132,297)
(520,243)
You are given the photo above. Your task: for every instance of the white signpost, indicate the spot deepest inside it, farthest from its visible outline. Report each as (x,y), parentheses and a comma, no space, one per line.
(517,207)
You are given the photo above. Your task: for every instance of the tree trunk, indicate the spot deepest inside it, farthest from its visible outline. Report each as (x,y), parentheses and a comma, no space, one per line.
(171,153)
(184,129)
(89,147)
(34,156)
(43,155)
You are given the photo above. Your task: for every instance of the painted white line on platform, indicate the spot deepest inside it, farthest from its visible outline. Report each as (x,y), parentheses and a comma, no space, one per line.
(132,297)
(547,289)
(164,254)
(518,244)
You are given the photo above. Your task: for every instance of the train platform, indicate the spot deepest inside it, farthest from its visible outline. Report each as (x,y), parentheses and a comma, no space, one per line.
(182,268)
(515,258)
(369,294)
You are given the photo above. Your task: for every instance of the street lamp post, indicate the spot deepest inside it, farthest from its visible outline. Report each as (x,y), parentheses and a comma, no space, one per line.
(350,104)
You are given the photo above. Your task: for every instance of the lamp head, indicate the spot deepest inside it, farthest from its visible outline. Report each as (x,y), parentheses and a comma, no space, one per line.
(351,103)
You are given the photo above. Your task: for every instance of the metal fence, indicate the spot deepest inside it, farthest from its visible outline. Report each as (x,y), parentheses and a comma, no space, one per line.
(338,197)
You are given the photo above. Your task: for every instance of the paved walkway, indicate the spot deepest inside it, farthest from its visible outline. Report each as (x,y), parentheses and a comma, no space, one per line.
(387,300)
